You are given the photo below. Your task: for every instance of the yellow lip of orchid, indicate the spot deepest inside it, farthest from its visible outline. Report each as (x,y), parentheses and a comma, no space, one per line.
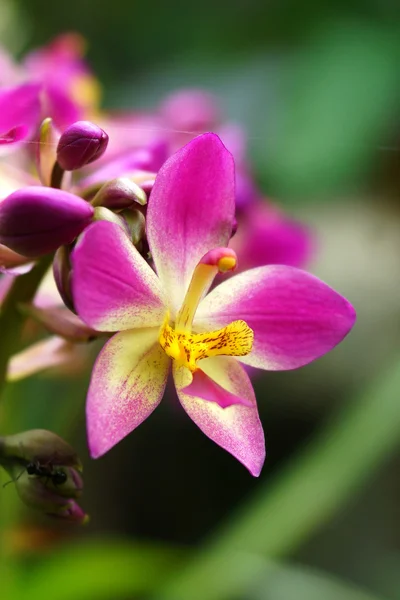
(187,347)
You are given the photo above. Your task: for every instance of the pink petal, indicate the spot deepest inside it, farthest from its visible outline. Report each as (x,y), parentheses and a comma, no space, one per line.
(10,259)
(236,428)
(190,211)
(60,106)
(295,317)
(46,354)
(19,112)
(265,236)
(206,388)
(113,286)
(128,382)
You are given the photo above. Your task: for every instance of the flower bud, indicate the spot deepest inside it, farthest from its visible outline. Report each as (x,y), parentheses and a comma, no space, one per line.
(47,494)
(70,512)
(44,469)
(62,275)
(80,144)
(46,150)
(38,445)
(119,194)
(104,214)
(37,220)
(136,223)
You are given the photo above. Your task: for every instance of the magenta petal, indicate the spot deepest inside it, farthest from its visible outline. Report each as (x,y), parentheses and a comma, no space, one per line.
(15,134)
(19,112)
(236,428)
(206,388)
(295,316)
(60,106)
(113,286)
(267,236)
(128,382)
(191,210)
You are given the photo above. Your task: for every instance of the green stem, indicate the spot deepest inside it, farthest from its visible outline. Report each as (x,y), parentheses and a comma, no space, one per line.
(307,493)
(57,175)
(23,289)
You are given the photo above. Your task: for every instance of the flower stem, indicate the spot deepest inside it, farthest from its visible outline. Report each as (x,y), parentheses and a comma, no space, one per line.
(57,175)
(23,289)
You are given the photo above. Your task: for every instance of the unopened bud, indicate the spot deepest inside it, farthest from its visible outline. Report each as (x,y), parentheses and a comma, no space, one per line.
(38,445)
(44,469)
(119,194)
(37,220)
(70,512)
(80,144)
(62,275)
(53,492)
(136,223)
(46,150)
(104,214)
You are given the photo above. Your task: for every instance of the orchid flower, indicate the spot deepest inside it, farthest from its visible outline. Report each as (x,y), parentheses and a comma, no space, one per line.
(271,317)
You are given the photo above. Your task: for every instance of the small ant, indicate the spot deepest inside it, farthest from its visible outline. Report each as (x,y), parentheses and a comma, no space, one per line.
(57,476)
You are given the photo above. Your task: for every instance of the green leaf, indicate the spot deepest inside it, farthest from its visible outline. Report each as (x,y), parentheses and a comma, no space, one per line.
(99,569)
(288,582)
(337,111)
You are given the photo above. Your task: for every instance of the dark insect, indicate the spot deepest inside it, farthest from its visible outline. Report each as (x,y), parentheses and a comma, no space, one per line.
(57,476)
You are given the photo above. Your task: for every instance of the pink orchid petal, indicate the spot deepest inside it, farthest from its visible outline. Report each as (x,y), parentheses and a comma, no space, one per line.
(19,112)
(295,317)
(190,211)
(12,260)
(45,354)
(15,134)
(113,286)
(60,106)
(206,388)
(236,428)
(128,382)
(265,236)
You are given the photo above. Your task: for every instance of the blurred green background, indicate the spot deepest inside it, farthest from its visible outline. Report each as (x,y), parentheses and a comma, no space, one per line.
(316,85)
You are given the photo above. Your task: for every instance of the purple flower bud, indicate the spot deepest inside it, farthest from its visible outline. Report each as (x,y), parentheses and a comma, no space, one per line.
(118,194)
(80,144)
(37,220)
(62,275)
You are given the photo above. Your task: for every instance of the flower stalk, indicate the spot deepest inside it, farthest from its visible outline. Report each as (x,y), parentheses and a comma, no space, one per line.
(23,289)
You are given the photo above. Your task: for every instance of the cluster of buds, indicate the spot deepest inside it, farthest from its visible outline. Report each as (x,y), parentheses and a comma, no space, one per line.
(41,219)
(45,471)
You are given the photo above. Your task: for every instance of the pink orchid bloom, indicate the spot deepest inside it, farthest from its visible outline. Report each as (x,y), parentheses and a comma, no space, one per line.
(271,317)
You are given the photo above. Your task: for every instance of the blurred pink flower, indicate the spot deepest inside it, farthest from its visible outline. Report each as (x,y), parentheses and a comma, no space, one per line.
(143,141)
(53,81)
(274,318)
